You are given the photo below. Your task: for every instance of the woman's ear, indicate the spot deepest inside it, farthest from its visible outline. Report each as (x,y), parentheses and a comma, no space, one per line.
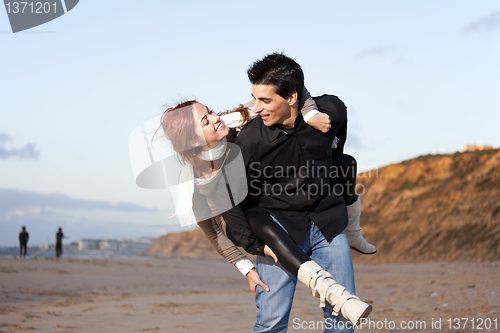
(195,144)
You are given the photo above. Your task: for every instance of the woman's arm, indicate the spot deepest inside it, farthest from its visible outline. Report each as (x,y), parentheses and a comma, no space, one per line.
(230,252)
(312,116)
(254,281)
(224,246)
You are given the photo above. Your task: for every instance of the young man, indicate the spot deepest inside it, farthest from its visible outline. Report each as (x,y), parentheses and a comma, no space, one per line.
(59,237)
(287,165)
(23,242)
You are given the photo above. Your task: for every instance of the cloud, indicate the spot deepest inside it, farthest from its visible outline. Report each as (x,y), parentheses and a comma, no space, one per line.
(3,139)
(20,202)
(381,50)
(484,24)
(27,152)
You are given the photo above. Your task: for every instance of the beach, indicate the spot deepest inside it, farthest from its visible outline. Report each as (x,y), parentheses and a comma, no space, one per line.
(209,295)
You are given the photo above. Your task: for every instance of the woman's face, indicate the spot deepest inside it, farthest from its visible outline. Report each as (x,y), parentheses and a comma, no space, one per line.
(208,124)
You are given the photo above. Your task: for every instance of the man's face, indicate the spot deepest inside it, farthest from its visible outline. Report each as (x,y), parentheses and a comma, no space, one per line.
(272,108)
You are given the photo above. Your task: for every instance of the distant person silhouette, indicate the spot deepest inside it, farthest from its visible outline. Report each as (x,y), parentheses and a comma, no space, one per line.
(59,237)
(23,242)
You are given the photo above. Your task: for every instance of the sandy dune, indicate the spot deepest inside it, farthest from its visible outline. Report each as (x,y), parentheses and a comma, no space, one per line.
(209,295)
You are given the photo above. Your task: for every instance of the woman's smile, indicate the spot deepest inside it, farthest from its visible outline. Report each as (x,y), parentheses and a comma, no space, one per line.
(219,126)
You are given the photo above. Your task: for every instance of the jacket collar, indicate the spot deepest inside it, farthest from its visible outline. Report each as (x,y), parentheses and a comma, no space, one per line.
(274,131)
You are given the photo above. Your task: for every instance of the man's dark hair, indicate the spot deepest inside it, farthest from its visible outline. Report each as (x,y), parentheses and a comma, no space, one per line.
(279,70)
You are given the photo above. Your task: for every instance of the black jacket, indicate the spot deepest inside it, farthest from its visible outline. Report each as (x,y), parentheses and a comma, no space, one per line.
(289,175)
(23,237)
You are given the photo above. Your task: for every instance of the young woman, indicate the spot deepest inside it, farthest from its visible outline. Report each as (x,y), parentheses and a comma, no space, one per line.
(201,140)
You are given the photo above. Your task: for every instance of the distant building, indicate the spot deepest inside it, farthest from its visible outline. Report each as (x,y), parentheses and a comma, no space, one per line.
(475,147)
(115,246)
(89,244)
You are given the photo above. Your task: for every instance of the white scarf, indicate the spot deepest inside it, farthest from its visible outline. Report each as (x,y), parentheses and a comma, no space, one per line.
(184,209)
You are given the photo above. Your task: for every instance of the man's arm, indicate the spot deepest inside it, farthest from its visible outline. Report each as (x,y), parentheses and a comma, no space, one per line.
(237,228)
(239,232)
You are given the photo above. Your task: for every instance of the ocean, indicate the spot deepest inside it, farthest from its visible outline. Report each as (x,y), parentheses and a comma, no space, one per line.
(50,253)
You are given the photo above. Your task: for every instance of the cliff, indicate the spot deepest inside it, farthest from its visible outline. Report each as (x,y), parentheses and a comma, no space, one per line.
(434,207)
(184,244)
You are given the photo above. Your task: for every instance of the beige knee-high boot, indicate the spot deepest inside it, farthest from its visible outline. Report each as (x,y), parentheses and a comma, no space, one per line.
(327,289)
(353,230)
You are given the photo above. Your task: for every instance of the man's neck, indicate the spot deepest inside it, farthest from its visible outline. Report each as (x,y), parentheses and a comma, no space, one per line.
(290,122)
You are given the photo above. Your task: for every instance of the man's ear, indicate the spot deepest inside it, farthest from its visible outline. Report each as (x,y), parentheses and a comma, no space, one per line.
(293,98)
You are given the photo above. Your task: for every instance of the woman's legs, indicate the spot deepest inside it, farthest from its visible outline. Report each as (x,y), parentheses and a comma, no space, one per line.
(347,171)
(289,254)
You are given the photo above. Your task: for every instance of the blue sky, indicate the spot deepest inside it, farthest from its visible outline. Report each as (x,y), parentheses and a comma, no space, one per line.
(418,77)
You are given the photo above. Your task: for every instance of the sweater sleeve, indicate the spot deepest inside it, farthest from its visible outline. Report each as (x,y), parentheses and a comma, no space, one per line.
(307,105)
(213,232)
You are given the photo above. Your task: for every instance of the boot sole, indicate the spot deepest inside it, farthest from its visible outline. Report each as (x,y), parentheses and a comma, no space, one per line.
(365,314)
(355,249)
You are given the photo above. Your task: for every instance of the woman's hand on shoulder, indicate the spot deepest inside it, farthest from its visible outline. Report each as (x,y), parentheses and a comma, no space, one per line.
(254,281)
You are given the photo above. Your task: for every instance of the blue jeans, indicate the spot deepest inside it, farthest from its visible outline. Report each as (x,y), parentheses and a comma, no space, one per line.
(274,306)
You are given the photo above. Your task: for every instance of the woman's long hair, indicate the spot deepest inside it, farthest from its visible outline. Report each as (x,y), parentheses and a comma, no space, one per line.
(245,116)
(179,127)
(243,110)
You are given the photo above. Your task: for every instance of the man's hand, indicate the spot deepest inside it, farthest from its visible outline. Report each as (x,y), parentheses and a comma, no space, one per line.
(270,253)
(254,281)
(320,121)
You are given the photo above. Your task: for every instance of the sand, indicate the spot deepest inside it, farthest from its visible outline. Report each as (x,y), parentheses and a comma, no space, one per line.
(209,295)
